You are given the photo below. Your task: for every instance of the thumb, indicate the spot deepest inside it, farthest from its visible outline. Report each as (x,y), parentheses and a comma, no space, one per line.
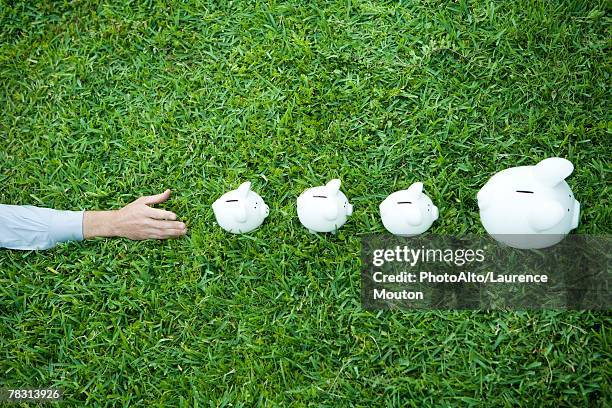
(155,199)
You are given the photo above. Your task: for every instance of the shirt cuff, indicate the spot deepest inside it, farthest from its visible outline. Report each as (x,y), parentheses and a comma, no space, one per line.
(66,226)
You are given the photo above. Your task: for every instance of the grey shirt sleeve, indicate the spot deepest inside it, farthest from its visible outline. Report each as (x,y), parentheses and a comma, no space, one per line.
(26,227)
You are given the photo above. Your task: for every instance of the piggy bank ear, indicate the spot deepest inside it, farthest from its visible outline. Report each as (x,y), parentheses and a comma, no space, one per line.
(240,215)
(333,186)
(416,189)
(552,171)
(244,189)
(545,215)
(415,217)
(330,210)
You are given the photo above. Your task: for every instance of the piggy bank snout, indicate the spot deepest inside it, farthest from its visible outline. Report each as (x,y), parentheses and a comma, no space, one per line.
(349,210)
(435,213)
(265,210)
(576,214)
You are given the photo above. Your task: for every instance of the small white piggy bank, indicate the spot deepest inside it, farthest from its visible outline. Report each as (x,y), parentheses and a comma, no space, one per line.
(323,208)
(241,210)
(408,212)
(530,206)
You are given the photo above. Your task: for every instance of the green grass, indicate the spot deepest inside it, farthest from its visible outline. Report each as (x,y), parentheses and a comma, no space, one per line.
(103,103)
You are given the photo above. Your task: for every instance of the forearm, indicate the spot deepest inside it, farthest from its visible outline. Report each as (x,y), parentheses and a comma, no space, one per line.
(99,224)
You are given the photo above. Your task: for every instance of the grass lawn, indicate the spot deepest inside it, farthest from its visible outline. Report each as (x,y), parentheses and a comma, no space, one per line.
(102,103)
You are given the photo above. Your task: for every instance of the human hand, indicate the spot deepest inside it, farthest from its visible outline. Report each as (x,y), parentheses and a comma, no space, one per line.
(137,221)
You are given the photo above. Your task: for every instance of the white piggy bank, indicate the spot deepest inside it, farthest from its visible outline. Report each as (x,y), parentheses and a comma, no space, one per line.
(408,212)
(323,208)
(240,210)
(530,206)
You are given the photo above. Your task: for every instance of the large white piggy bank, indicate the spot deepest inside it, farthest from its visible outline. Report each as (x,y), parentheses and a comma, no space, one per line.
(408,212)
(241,210)
(530,206)
(323,208)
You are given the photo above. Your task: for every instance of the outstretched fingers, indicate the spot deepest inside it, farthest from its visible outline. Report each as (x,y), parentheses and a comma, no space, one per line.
(173,233)
(155,199)
(155,233)
(159,214)
(168,229)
